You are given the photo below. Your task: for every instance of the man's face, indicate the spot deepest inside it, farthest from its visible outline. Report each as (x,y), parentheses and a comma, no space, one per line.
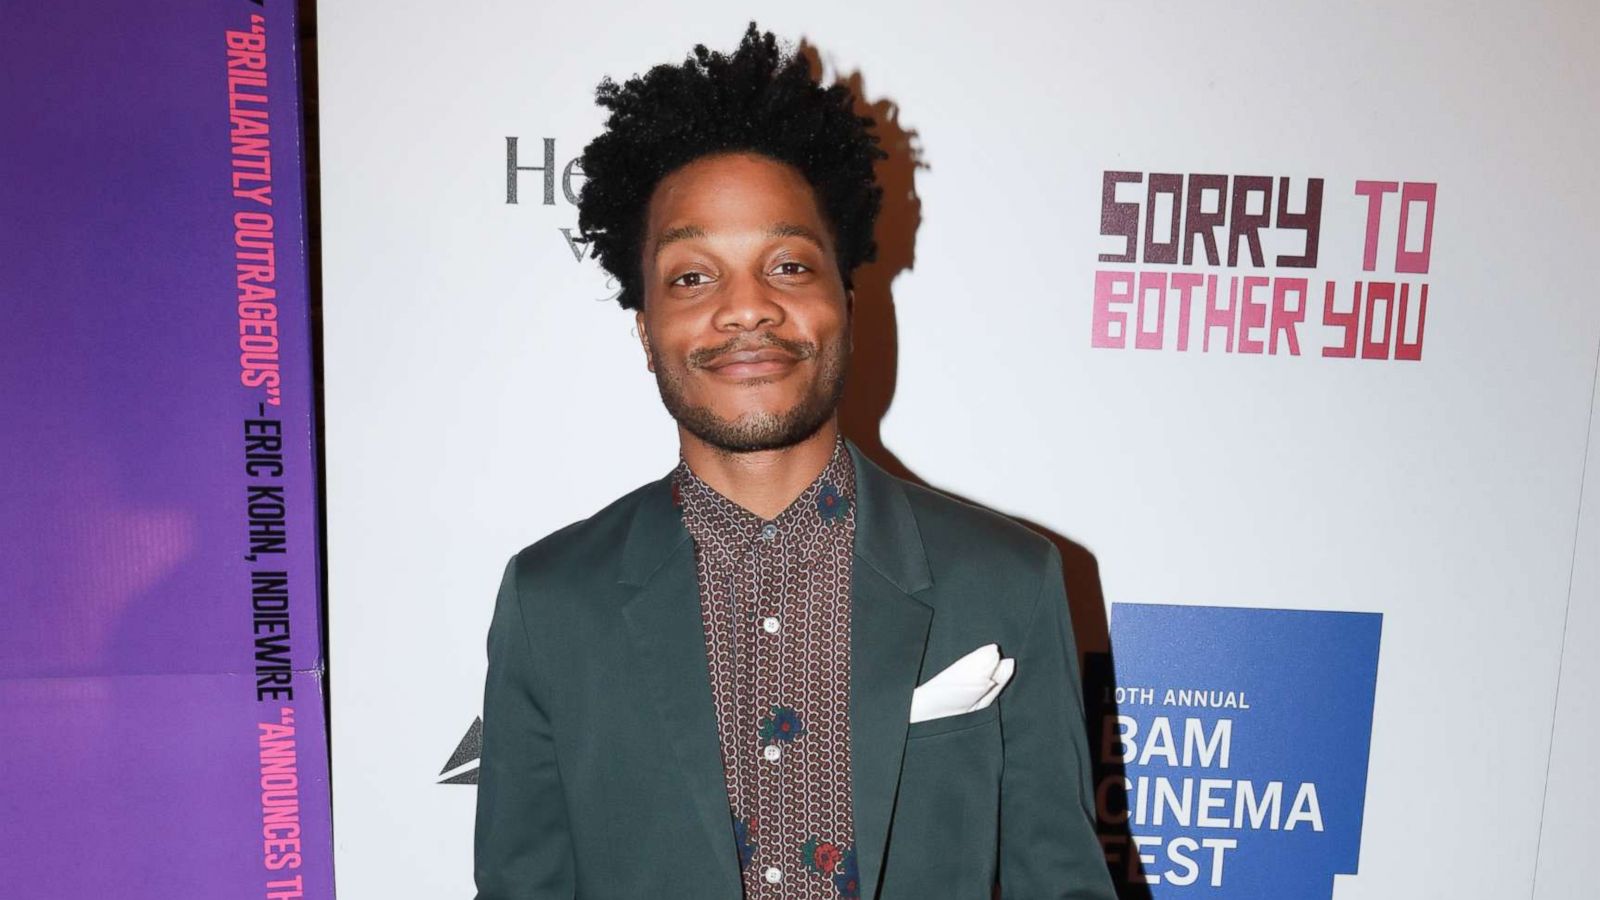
(746,321)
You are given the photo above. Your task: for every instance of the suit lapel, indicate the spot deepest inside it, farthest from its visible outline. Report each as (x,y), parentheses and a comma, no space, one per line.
(889,632)
(664,625)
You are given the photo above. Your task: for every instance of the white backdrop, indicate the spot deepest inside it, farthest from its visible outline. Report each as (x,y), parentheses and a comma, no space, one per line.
(468,357)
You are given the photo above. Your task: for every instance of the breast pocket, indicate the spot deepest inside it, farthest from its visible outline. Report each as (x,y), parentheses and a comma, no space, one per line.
(942,843)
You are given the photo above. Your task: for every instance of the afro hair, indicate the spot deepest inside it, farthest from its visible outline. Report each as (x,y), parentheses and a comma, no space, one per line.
(760,100)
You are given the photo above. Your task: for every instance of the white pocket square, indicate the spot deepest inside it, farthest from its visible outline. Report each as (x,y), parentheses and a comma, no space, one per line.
(966,685)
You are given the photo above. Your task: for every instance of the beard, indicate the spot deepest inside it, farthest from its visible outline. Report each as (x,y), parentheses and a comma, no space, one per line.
(762,430)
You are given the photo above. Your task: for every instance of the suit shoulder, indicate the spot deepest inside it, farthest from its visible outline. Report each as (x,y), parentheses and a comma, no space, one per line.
(955,529)
(584,545)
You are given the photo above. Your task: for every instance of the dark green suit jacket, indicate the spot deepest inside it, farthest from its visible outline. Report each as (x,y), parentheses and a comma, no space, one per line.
(602,775)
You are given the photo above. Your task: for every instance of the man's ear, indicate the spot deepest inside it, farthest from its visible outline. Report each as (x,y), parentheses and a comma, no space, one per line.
(644,339)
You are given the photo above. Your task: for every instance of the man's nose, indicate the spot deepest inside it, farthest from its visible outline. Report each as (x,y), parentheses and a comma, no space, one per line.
(748,303)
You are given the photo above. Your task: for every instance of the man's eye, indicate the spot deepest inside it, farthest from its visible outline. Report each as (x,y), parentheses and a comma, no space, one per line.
(690,279)
(798,268)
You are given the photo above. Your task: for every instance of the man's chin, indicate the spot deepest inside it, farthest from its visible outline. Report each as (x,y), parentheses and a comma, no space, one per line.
(753,431)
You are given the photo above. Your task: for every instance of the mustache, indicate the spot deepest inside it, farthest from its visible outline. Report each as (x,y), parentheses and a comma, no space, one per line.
(800,350)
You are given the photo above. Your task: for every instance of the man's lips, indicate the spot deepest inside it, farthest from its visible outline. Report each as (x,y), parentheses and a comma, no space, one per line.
(748,363)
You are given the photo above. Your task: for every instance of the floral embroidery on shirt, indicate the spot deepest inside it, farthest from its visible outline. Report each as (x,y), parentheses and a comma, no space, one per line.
(744,830)
(846,879)
(820,856)
(830,503)
(783,724)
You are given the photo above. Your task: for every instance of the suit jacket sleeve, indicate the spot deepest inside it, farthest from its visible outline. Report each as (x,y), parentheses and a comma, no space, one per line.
(522,848)
(1048,844)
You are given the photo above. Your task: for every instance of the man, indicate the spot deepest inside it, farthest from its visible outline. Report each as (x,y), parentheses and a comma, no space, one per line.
(705,690)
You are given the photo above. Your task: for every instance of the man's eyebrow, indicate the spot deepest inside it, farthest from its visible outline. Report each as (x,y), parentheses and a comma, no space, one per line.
(778,229)
(789,229)
(681,233)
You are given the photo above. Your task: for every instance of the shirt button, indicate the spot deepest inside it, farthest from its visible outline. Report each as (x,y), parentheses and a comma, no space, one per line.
(769,530)
(770,624)
(773,874)
(771,751)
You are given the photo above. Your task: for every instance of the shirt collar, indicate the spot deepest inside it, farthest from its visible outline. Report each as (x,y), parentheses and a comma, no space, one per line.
(821,509)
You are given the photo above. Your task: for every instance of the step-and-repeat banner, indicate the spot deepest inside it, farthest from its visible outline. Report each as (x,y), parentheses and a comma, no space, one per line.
(161,683)
(1271,315)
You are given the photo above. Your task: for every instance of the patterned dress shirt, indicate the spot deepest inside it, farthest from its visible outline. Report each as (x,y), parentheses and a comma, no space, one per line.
(775,603)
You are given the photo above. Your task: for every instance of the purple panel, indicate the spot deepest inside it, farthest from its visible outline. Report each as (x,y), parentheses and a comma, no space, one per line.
(129,703)
(150,786)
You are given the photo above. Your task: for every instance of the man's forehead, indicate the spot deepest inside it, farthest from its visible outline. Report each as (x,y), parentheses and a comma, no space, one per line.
(731,184)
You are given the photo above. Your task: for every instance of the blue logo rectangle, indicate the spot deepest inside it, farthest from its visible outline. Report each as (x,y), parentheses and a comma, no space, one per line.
(1231,747)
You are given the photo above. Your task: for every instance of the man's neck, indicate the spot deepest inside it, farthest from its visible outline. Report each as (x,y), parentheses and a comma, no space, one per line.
(764,482)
